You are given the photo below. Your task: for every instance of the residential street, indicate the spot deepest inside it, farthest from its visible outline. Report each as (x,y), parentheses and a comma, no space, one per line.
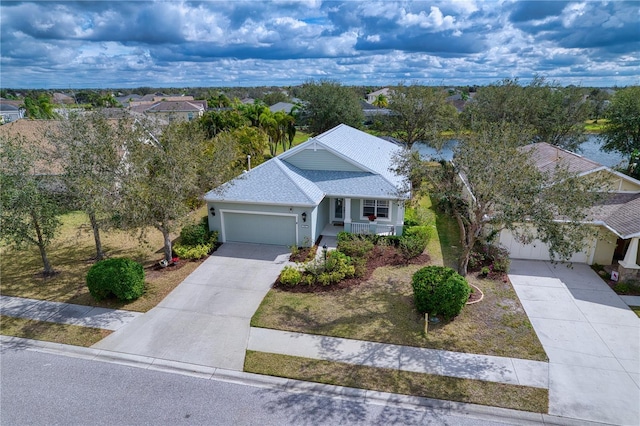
(40,388)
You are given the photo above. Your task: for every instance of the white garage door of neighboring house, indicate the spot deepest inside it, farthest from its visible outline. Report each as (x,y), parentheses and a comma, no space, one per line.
(260,228)
(536,250)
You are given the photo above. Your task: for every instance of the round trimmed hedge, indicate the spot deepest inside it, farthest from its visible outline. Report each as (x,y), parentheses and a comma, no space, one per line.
(119,277)
(439,290)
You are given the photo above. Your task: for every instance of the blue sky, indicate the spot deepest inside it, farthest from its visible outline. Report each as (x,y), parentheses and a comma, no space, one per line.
(100,44)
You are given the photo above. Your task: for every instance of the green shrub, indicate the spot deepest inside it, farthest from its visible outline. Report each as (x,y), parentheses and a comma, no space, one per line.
(192,252)
(393,240)
(412,246)
(359,266)
(324,279)
(339,263)
(307,280)
(622,288)
(421,231)
(439,290)
(199,234)
(119,277)
(290,276)
(484,254)
(355,247)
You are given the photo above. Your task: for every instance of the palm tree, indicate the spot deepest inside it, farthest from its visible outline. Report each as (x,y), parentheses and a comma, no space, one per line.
(381,101)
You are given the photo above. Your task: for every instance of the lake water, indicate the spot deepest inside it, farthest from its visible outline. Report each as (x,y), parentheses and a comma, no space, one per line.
(589,149)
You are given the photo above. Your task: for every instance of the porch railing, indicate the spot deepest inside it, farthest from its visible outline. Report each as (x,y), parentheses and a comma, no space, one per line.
(368,228)
(360,228)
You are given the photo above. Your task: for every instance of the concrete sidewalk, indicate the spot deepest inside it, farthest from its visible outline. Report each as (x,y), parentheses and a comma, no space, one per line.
(419,360)
(592,339)
(66,313)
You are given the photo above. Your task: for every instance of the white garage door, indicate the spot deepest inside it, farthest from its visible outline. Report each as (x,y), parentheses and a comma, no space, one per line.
(537,250)
(259,228)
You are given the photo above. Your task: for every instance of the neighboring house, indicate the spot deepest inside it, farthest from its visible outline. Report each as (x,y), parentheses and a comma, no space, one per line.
(62,99)
(333,181)
(617,218)
(371,97)
(282,106)
(370,112)
(172,110)
(10,112)
(33,132)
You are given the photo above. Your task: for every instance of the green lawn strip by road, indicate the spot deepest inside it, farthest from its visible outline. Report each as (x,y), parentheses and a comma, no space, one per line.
(636,309)
(402,382)
(51,332)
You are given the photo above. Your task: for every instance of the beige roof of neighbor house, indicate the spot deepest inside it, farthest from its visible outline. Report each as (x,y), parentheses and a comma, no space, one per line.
(33,132)
(547,157)
(619,211)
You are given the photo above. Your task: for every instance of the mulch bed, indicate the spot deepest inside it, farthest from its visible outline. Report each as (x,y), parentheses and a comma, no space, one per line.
(379,256)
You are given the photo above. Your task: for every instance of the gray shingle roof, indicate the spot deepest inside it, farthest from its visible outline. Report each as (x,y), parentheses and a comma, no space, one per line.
(278,182)
(271,182)
(371,152)
(620,212)
(351,184)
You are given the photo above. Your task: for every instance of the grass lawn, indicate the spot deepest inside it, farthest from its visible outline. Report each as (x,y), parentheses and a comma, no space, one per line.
(636,309)
(381,310)
(395,381)
(51,332)
(71,254)
(590,126)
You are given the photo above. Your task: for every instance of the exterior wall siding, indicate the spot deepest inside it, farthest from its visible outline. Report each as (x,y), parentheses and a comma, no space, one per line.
(320,159)
(605,247)
(321,218)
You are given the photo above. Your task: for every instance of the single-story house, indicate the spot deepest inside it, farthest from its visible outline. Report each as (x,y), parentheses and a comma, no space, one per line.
(617,218)
(371,97)
(339,180)
(10,112)
(282,106)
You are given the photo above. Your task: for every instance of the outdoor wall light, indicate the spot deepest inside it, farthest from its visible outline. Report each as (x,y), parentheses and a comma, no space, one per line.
(213,211)
(304,216)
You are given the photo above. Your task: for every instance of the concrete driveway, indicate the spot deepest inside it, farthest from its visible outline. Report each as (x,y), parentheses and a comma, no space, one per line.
(205,320)
(591,337)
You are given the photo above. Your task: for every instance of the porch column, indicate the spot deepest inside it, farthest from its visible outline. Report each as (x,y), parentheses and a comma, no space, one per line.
(347,214)
(630,260)
(400,219)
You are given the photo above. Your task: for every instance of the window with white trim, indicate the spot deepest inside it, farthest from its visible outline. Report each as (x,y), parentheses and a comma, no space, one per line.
(378,208)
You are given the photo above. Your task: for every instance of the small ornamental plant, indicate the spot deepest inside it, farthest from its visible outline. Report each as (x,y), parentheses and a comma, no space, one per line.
(122,278)
(438,290)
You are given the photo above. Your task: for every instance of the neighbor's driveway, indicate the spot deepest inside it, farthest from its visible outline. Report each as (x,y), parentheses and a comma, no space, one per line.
(205,320)
(591,337)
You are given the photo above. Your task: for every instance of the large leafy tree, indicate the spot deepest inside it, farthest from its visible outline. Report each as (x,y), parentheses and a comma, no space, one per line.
(551,113)
(329,104)
(493,183)
(167,170)
(419,113)
(622,132)
(89,148)
(29,197)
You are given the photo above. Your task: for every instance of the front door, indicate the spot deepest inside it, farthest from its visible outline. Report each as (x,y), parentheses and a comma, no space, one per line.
(337,212)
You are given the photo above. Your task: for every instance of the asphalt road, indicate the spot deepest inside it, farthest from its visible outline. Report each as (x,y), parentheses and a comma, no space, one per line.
(39,388)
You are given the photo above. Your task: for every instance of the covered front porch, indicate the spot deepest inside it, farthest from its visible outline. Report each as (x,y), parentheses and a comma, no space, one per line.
(364,216)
